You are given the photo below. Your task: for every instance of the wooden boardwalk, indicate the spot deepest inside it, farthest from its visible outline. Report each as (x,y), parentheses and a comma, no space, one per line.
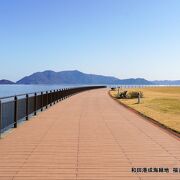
(88,136)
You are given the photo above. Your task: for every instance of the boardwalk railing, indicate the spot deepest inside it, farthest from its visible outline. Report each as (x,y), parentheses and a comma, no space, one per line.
(15,109)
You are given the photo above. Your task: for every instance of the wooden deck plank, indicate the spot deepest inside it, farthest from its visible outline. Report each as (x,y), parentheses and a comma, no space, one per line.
(87,136)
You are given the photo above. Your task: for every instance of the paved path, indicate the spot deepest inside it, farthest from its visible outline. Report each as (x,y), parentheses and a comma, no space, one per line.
(88,136)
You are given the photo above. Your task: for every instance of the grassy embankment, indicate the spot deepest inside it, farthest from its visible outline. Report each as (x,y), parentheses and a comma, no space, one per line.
(160,103)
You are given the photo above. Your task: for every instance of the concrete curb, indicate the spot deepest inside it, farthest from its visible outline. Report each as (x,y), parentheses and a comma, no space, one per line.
(168,130)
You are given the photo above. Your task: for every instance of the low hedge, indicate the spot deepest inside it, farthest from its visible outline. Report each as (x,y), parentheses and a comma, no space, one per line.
(134,94)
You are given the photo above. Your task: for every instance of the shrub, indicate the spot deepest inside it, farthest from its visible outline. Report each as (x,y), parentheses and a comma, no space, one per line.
(134,94)
(122,95)
(113,89)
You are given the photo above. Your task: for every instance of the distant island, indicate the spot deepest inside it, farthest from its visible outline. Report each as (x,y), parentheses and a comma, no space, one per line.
(77,77)
(5,81)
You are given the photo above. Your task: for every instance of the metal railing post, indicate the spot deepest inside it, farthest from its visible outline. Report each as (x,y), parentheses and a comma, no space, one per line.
(15,112)
(46,99)
(50,98)
(57,95)
(65,93)
(41,101)
(54,97)
(35,104)
(62,94)
(27,106)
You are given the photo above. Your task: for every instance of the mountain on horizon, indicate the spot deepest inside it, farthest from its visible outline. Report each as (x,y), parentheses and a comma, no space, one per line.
(77,77)
(167,82)
(5,81)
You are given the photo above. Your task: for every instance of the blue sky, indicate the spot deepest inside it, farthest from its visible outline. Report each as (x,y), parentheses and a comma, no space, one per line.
(123,38)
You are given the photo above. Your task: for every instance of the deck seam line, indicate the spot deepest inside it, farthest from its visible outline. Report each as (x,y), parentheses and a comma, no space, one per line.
(118,142)
(25,161)
(77,161)
(78,145)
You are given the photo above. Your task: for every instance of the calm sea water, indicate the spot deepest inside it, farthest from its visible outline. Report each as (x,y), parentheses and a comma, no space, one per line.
(11,90)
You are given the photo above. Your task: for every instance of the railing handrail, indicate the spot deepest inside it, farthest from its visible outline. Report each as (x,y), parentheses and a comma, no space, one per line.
(38,92)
